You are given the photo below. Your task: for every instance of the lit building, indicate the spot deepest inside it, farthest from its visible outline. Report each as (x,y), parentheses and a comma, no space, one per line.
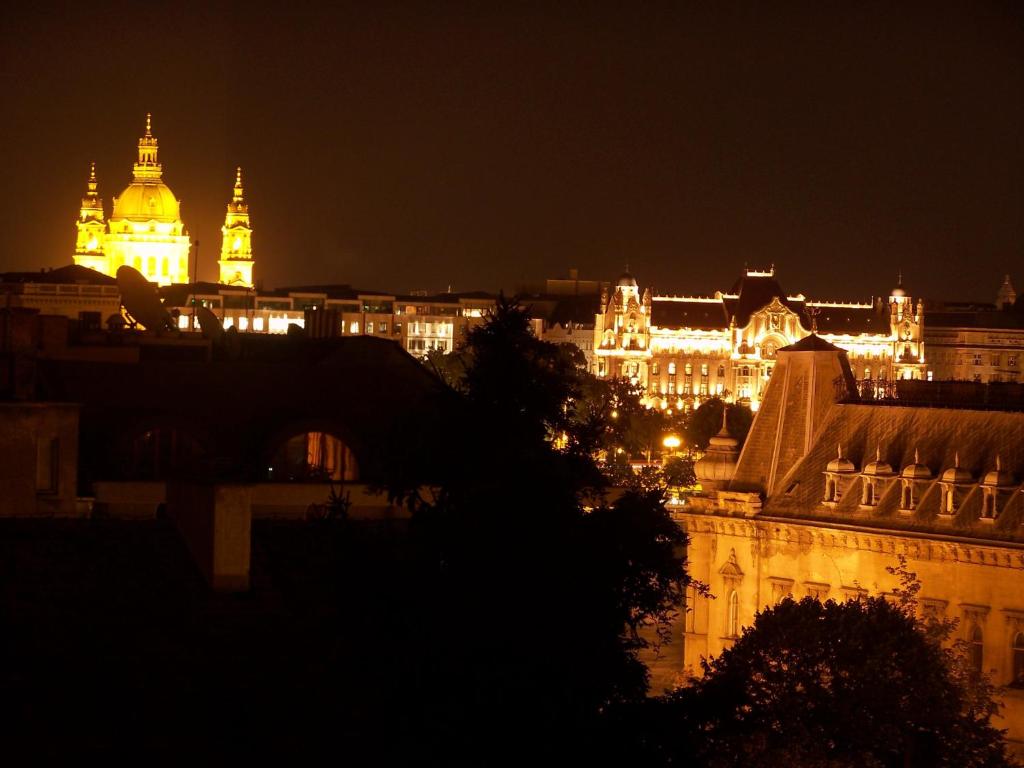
(236,248)
(419,324)
(830,490)
(73,291)
(977,342)
(683,349)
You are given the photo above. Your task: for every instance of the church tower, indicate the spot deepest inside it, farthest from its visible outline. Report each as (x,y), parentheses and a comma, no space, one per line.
(145,229)
(236,260)
(92,229)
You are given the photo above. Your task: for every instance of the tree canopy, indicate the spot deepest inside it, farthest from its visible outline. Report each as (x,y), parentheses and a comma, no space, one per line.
(538,581)
(857,683)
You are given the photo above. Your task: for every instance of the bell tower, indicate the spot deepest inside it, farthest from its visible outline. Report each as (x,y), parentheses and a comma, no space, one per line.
(236,260)
(92,228)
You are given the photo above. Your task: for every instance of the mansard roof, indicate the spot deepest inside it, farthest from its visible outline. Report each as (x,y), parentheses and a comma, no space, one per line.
(850,319)
(937,436)
(688,313)
(756,291)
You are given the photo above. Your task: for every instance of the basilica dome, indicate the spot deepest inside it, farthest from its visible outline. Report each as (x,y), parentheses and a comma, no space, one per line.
(147,201)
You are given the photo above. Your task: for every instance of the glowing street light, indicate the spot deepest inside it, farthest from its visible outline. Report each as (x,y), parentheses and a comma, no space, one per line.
(671,442)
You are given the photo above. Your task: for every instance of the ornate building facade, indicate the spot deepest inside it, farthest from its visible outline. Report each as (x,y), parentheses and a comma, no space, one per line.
(682,349)
(236,260)
(829,491)
(145,229)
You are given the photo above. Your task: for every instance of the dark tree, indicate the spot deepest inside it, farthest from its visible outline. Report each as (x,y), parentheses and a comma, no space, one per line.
(859,683)
(533,584)
(705,422)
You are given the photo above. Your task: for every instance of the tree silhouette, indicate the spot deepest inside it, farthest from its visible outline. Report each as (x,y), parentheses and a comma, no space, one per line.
(857,683)
(534,583)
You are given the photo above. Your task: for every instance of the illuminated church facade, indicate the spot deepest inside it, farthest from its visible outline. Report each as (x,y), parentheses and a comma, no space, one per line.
(145,229)
(683,349)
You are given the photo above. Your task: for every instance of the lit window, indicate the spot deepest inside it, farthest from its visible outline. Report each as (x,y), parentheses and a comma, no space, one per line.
(734,614)
(369,326)
(976,651)
(257,324)
(1018,661)
(671,369)
(353,327)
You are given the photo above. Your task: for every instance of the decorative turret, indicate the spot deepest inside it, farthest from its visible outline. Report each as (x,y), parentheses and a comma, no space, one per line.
(998,477)
(91,228)
(716,468)
(148,167)
(957,474)
(840,464)
(1007,295)
(236,260)
(878,467)
(917,470)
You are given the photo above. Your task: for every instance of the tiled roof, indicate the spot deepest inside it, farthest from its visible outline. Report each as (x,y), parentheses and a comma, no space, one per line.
(703,315)
(937,435)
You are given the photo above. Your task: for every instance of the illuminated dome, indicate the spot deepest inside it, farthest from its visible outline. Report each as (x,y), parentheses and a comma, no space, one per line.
(147,201)
(840,463)
(998,477)
(878,467)
(917,470)
(956,473)
(626,280)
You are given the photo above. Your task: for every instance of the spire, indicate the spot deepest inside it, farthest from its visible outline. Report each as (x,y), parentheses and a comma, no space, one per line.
(878,453)
(839,451)
(92,206)
(917,456)
(148,167)
(999,463)
(956,460)
(238,196)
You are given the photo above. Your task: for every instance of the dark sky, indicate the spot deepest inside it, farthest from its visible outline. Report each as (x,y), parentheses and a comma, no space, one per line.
(424,145)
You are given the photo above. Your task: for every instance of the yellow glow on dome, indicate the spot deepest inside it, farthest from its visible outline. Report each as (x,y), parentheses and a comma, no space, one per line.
(144,231)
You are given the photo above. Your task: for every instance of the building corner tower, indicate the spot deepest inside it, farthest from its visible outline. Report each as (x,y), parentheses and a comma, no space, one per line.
(236,261)
(89,250)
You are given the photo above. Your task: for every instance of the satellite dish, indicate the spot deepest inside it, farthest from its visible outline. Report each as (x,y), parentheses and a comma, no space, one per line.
(141,301)
(212,329)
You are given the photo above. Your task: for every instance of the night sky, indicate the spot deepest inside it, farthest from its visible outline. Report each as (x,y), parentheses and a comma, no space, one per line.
(412,146)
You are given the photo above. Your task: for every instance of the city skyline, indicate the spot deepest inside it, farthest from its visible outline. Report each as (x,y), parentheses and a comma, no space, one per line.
(483,150)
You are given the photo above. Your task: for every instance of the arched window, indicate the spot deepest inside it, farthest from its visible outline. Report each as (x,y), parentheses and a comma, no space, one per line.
(949,502)
(313,456)
(908,497)
(688,369)
(989,506)
(721,371)
(1018,661)
(671,369)
(976,651)
(734,614)
(691,609)
(830,489)
(867,372)
(868,498)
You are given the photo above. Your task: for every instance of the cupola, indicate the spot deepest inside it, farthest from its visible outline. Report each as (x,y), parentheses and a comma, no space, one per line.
(917,470)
